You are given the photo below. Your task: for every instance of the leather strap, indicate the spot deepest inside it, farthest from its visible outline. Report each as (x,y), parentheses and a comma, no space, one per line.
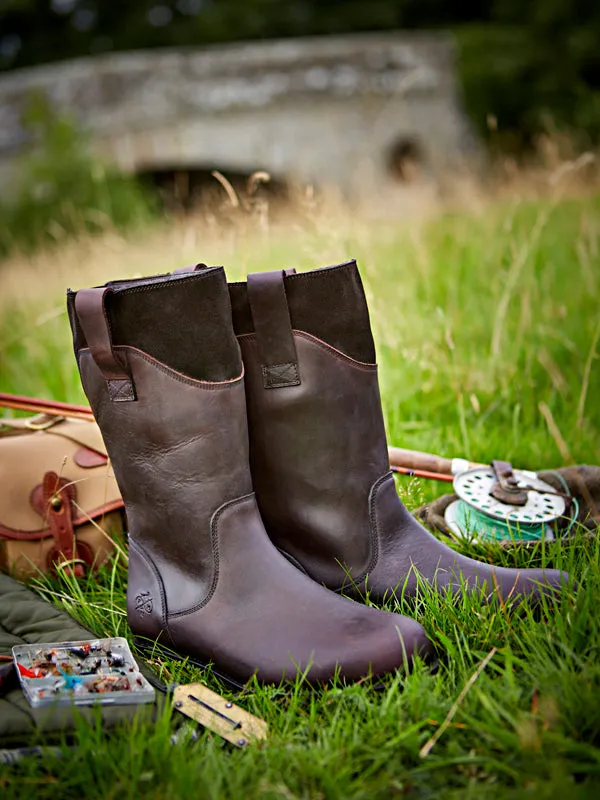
(90,305)
(39,406)
(56,500)
(274,335)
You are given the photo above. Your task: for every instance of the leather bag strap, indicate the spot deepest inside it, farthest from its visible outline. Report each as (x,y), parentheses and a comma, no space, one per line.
(55,503)
(38,406)
(273,327)
(90,306)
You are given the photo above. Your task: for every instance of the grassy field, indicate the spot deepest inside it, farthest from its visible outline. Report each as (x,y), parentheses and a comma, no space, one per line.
(487,326)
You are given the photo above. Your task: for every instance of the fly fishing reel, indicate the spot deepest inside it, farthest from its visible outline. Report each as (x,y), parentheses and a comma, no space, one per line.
(500,504)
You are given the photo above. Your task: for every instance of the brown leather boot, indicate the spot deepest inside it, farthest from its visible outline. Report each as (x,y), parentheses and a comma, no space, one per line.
(161,367)
(318,449)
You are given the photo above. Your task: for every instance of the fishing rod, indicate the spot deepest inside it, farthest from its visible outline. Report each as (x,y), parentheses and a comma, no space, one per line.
(495,500)
(427,465)
(53,408)
(404,462)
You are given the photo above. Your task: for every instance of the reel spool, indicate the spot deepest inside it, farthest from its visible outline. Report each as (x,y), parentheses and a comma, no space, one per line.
(501,505)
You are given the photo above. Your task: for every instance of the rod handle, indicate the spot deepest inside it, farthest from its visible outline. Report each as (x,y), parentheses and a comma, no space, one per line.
(413,459)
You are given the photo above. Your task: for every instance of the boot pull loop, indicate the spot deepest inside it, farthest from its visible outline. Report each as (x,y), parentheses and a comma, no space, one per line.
(192,268)
(274,336)
(91,312)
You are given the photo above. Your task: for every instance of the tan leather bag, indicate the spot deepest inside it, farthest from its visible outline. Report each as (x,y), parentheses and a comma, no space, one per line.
(59,501)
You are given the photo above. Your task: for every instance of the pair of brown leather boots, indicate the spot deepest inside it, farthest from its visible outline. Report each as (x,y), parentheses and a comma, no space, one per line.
(245,430)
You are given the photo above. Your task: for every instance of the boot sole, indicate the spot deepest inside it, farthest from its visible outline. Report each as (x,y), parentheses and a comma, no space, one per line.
(150,649)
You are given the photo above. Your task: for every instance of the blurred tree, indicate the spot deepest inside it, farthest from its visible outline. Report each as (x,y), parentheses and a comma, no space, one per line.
(38,31)
(537,68)
(525,63)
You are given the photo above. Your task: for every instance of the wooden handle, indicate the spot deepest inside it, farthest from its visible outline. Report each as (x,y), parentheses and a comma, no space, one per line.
(425,465)
(413,459)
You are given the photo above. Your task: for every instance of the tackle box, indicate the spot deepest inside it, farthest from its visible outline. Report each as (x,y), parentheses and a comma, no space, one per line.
(96,671)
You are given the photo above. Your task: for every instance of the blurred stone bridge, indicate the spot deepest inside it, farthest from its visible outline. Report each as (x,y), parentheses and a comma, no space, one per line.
(366,112)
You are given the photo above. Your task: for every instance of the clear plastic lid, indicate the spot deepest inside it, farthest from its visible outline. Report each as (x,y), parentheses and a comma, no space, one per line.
(97,671)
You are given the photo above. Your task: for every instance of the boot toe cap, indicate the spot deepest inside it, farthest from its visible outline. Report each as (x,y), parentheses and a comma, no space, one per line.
(391,644)
(541,582)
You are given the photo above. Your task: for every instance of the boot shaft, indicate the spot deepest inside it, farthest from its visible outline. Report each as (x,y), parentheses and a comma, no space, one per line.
(317,445)
(161,368)
(327,303)
(181,319)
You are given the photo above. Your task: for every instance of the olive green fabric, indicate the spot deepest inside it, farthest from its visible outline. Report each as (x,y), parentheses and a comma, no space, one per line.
(27,619)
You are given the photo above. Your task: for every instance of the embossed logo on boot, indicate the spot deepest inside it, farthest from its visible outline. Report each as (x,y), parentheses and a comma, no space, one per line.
(143,603)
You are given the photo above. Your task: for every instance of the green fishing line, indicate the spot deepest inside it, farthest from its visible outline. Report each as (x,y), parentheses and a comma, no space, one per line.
(480,513)
(472,521)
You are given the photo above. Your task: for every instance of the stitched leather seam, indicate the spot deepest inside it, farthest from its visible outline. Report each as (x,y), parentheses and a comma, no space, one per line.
(316,273)
(172,373)
(373,522)
(277,376)
(153,568)
(362,365)
(215,549)
(373,536)
(121,390)
(308,275)
(160,284)
(179,376)
(332,351)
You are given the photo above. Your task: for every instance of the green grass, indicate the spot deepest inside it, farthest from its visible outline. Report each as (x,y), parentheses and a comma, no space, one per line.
(487,328)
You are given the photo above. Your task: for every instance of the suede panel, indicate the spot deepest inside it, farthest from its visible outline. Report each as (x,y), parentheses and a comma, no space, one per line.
(184,321)
(328,303)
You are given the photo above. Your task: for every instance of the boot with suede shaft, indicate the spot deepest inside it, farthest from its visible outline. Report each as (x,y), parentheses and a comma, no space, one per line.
(318,448)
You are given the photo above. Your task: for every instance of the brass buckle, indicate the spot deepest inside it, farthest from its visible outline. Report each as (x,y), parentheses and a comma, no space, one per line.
(42,422)
(69,562)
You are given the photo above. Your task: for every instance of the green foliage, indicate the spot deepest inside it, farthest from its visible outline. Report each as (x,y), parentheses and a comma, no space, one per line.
(64,191)
(527,728)
(531,81)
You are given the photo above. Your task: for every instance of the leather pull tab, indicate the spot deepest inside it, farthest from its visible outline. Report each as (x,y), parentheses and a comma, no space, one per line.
(91,312)
(274,336)
(192,268)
